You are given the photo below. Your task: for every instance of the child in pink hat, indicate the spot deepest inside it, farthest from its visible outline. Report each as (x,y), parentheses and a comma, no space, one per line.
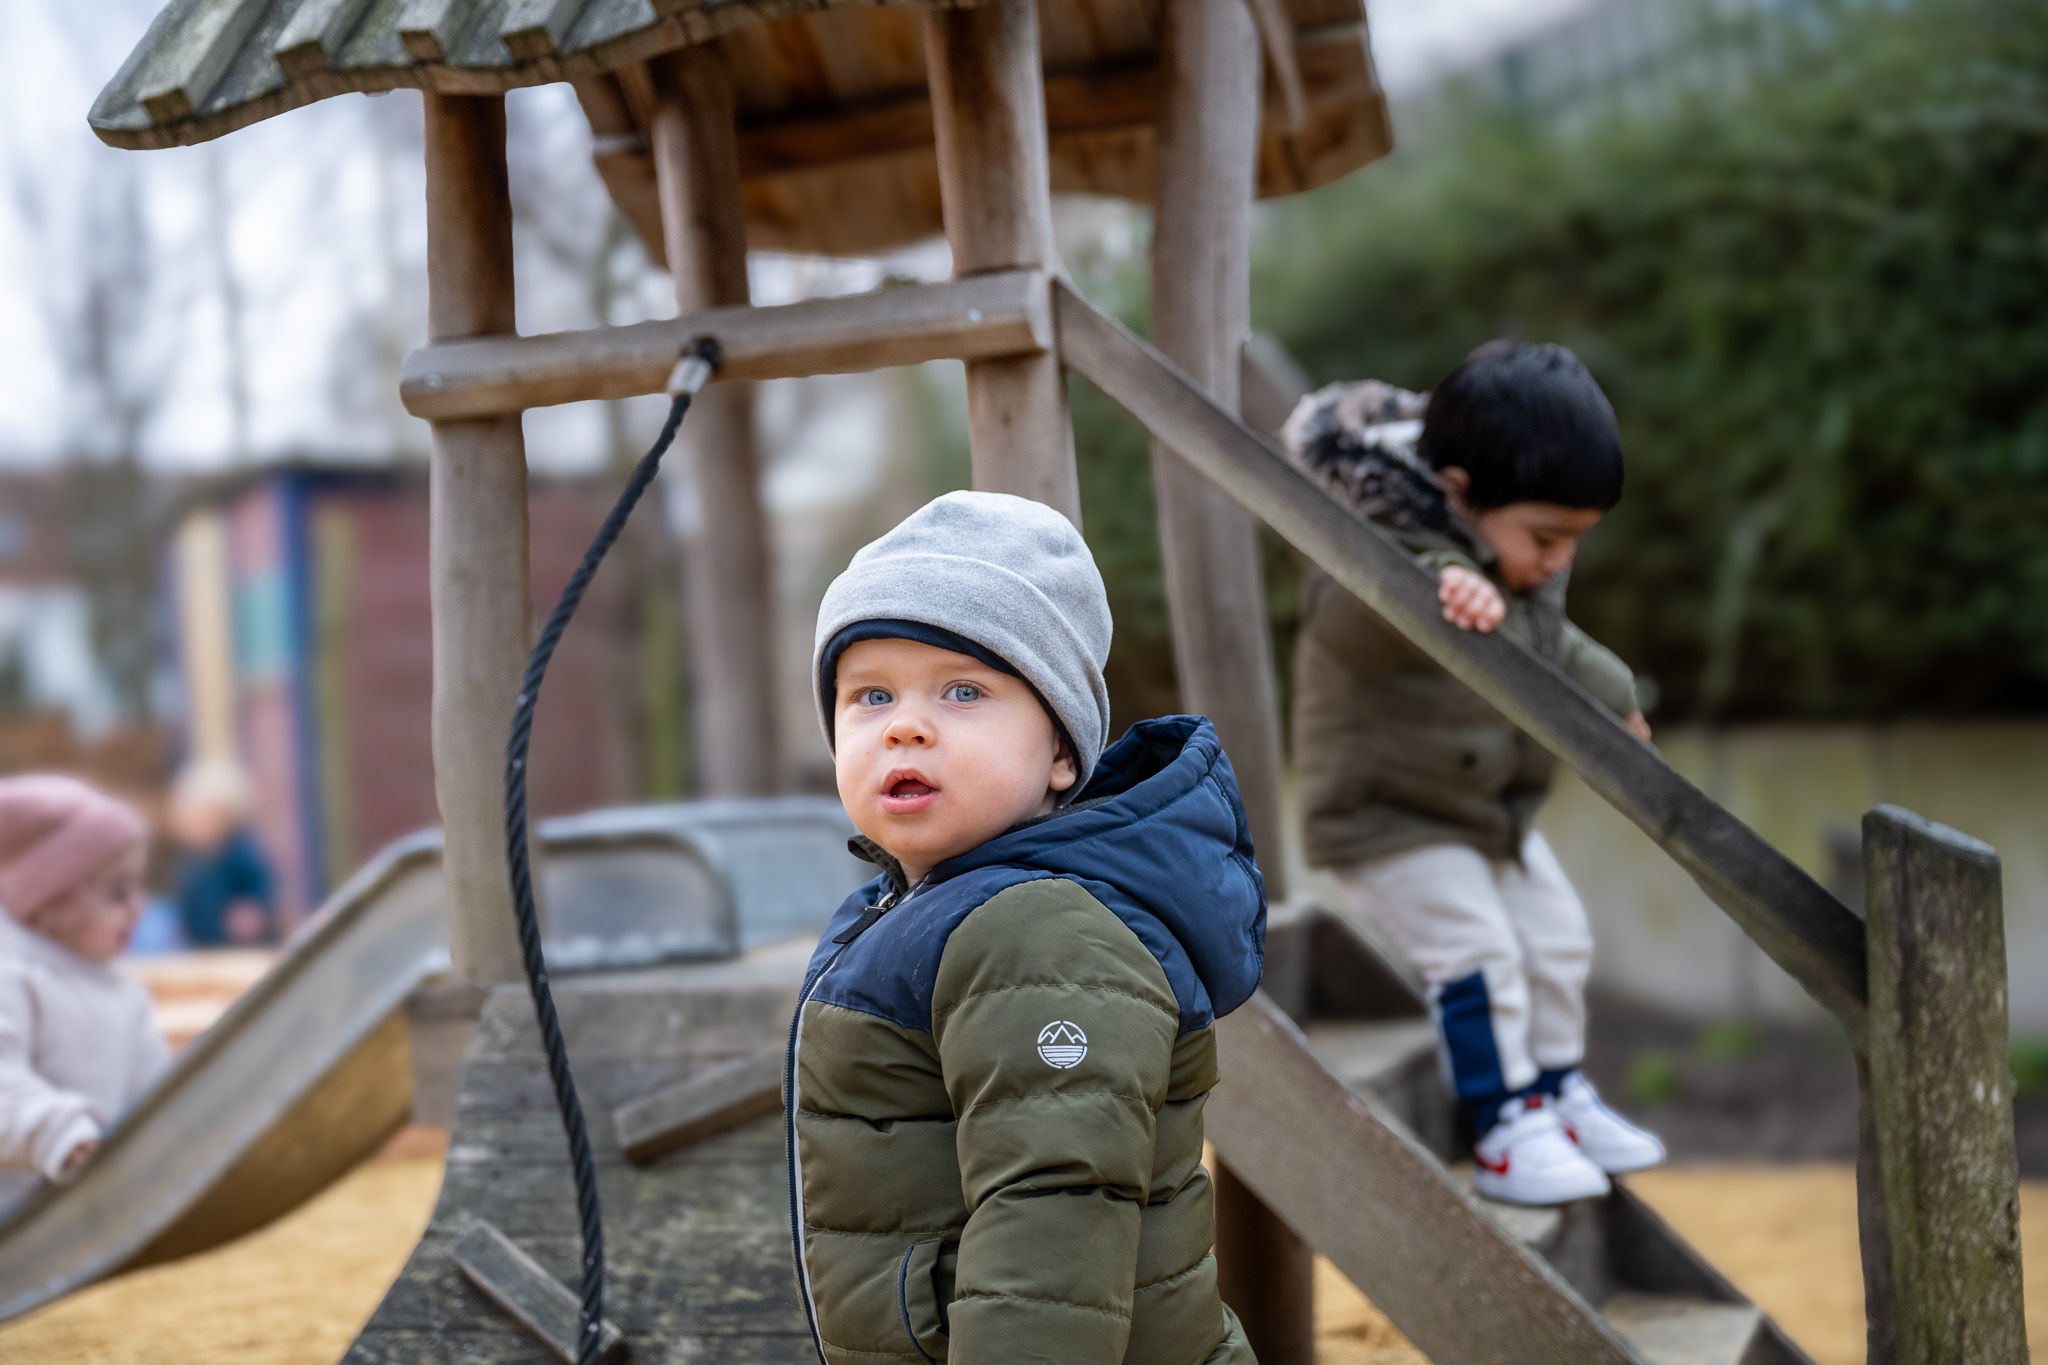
(77,1044)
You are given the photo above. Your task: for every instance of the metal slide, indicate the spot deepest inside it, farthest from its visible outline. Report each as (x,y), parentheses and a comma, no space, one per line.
(310,1072)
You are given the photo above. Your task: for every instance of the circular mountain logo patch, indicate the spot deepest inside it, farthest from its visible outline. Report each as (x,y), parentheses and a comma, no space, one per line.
(1062,1044)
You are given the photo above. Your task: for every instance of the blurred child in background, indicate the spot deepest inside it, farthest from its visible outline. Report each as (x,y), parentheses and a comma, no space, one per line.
(222,882)
(1415,792)
(77,1044)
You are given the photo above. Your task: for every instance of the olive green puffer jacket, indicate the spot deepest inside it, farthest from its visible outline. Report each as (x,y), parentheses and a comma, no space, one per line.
(1391,752)
(997,1082)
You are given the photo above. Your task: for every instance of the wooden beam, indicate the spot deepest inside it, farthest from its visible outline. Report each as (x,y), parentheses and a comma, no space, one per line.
(1103,99)
(477,536)
(183,71)
(1086,102)
(1206,159)
(989,120)
(1940,1087)
(1795,920)
(525,1292)
(728,586)
(313,36)
(1007,314)
(619,149)
(428,29)
(704,1106)
(1276,37)
(1348,1178)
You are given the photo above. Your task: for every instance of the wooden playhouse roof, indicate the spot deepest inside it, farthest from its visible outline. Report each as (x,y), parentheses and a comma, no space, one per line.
(835,124)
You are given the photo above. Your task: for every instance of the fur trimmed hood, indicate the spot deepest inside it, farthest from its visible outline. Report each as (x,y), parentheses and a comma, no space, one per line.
(1357,439)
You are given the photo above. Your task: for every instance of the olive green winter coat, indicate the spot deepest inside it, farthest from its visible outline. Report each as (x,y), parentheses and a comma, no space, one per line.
(1391,752)
(996,1117)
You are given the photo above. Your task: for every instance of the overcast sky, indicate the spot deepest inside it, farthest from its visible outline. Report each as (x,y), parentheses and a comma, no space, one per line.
(323,241)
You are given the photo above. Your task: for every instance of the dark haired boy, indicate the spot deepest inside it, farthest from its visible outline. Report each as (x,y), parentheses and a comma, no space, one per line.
(1415,792)
(1002,1048)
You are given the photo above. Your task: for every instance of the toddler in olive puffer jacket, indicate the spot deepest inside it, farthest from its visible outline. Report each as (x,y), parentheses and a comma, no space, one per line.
(1002,1047)
(1415,791)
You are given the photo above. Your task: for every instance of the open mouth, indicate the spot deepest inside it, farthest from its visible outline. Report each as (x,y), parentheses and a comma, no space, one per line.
(907,793)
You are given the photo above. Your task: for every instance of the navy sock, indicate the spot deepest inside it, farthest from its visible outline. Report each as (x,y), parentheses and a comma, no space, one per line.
(1550,1080)
(1484,1110)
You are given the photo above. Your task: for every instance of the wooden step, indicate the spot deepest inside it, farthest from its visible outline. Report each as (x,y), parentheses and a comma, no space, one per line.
(1670,1330)
(1350,1178)
(1651,1287)
(1372,1054)
(1395,1061)
(1359,1182)
(1572,1237)
(1619,1259)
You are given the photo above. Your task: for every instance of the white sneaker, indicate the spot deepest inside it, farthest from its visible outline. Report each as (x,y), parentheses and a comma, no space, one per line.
(1610,1141)
(1527,1159)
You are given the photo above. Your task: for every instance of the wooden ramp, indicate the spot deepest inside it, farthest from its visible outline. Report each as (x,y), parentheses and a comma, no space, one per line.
(697,1242)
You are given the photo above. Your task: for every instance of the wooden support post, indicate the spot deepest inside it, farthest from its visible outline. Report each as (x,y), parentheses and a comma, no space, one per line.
(1940,1094)
(1873,1236)
(988,109)
(1201,318)
(482,606)
(1265,1273)
(728,586)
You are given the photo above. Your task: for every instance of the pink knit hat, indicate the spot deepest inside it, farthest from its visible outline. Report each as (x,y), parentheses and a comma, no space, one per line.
(54,833)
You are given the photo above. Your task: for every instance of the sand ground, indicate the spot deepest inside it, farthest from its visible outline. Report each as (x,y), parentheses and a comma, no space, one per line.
(295,1293)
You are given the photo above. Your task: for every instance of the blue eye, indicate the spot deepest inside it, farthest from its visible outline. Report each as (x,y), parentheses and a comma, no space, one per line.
(963,692)
(872,696)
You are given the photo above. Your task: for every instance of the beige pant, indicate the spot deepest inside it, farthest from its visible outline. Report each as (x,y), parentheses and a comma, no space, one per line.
(1503,946)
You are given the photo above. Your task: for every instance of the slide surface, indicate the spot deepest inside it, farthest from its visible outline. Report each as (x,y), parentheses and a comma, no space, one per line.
(310,1072)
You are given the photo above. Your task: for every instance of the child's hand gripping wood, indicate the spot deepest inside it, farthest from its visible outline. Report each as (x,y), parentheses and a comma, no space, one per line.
(1471,602)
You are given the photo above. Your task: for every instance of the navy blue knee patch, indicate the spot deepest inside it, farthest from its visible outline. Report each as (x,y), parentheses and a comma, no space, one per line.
(1465,1014)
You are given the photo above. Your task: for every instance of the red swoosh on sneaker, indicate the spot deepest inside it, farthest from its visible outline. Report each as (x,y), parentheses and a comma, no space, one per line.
(1501,1169)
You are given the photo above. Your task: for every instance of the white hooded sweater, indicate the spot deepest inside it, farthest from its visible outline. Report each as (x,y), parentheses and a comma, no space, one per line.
(77,1046)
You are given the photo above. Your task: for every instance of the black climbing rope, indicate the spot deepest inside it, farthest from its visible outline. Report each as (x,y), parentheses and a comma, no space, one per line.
(699,361)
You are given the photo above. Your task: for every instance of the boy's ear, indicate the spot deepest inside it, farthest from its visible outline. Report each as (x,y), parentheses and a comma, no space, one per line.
(1455,478)
(1064,770)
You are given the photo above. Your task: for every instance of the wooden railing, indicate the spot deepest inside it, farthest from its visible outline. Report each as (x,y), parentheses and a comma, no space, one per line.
(1805,930)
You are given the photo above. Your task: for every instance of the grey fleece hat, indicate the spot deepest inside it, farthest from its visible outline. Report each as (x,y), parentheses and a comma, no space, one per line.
(1004,574)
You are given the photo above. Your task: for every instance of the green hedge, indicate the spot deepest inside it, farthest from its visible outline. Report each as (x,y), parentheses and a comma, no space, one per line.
(1822,315)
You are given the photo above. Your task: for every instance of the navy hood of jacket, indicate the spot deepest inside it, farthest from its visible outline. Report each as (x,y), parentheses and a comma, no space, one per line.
(1159,836)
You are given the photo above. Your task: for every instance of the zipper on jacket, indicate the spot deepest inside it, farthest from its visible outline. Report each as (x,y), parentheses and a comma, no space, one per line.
(789,1097)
